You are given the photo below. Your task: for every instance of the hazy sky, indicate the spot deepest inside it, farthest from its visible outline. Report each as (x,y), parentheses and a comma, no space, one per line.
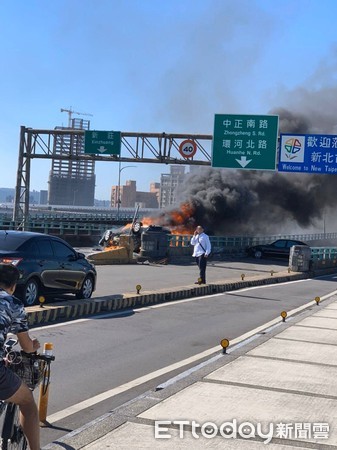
(154,66)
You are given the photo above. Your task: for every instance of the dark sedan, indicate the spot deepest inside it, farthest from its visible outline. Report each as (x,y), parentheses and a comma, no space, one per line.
(47,265)
(277,249)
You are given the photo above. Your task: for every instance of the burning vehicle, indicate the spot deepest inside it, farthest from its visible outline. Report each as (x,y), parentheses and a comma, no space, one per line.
(152,229)
(111,237)
(150,242)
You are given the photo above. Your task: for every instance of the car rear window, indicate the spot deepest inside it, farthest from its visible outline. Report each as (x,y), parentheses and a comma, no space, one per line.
(30,247)
(8,242)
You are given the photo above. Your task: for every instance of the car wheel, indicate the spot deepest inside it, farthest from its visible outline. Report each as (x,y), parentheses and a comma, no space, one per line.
(258,254)
(30,293)
(107,235)
(86,289)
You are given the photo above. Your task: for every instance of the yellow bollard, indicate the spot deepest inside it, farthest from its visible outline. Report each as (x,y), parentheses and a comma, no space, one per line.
(224,344)
(44,386)
(284,315)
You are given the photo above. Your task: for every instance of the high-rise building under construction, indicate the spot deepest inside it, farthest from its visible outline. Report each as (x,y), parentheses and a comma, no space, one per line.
(71,181)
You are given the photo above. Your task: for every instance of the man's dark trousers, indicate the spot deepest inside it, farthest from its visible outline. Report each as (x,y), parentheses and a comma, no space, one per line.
(202,263)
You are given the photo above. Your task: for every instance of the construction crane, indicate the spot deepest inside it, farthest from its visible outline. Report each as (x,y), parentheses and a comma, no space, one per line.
(70,112)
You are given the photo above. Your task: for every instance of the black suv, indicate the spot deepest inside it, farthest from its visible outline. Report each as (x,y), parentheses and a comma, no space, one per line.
(47,265)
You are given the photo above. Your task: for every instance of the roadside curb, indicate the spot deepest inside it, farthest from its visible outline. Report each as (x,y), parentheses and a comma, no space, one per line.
(74,309)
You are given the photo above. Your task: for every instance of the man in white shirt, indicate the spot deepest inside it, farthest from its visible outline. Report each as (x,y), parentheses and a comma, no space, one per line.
(202,248)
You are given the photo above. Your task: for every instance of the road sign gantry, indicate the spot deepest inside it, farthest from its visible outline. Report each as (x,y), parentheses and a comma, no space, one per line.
(162,148)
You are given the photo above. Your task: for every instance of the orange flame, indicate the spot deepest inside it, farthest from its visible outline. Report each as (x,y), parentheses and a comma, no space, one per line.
(178,221)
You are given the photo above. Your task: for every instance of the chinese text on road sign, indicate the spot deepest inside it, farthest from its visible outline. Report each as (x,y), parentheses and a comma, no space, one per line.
(102,142)
(245,141)
(308,153)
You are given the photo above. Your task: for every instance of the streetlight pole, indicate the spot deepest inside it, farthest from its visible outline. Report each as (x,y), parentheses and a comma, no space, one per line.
(119,187)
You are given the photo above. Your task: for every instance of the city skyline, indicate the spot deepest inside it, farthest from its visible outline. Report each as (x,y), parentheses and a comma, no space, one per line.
(168,182)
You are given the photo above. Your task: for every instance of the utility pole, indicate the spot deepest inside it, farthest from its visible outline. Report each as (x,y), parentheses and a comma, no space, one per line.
(70,112)
(119,187)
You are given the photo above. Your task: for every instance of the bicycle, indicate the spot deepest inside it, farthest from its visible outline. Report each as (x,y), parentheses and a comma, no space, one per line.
(31,368)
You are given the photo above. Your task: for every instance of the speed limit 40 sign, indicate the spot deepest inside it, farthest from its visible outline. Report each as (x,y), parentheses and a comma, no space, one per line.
(188,148)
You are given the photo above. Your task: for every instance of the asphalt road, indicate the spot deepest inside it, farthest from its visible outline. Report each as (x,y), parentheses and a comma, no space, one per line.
(97,355)
(118,279)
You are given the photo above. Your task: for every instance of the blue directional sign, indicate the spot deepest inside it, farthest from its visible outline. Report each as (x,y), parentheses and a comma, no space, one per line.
(308,153)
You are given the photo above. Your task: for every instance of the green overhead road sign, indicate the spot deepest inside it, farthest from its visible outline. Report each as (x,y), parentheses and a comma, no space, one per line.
(102,142)
(245,141)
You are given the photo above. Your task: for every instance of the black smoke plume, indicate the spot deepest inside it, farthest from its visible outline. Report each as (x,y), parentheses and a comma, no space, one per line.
(244,202)
(253,202)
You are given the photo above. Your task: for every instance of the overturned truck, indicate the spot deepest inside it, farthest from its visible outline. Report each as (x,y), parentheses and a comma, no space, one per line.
(132,244)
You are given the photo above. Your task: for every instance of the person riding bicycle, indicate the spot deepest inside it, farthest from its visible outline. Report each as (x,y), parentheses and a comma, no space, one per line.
(13,319)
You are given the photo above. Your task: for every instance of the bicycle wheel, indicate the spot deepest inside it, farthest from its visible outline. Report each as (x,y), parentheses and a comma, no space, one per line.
(12,434)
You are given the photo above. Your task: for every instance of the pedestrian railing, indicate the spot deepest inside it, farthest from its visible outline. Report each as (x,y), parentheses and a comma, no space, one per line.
(241,242)
(323,253)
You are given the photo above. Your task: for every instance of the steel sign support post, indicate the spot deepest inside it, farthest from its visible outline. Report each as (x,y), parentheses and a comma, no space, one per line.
(18,212)
(21,205)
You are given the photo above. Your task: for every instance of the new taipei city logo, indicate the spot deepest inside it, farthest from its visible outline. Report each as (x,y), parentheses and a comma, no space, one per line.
(291,147)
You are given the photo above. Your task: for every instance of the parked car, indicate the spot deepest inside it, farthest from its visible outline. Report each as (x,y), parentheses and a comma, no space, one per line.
(278,249)
(47,265)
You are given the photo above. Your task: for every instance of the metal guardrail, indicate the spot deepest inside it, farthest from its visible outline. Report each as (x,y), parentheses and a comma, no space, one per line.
(323,253)
(223,242)
(56,227)
(175,239)
(236,245)
(323,258)
(220,244)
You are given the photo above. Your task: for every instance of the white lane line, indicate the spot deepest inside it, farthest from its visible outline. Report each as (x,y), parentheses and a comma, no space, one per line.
(71,322)
(270,285)
(161,305)
(175,302)
(178,365)
(125,312)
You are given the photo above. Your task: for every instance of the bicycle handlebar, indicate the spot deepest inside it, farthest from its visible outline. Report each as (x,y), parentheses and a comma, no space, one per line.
(40,356)
(34,355)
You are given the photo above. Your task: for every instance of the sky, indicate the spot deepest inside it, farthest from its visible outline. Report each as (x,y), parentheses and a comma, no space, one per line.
(157,66)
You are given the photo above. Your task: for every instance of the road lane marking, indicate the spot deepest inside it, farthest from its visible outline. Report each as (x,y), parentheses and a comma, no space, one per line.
(164,305)
(178,365)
